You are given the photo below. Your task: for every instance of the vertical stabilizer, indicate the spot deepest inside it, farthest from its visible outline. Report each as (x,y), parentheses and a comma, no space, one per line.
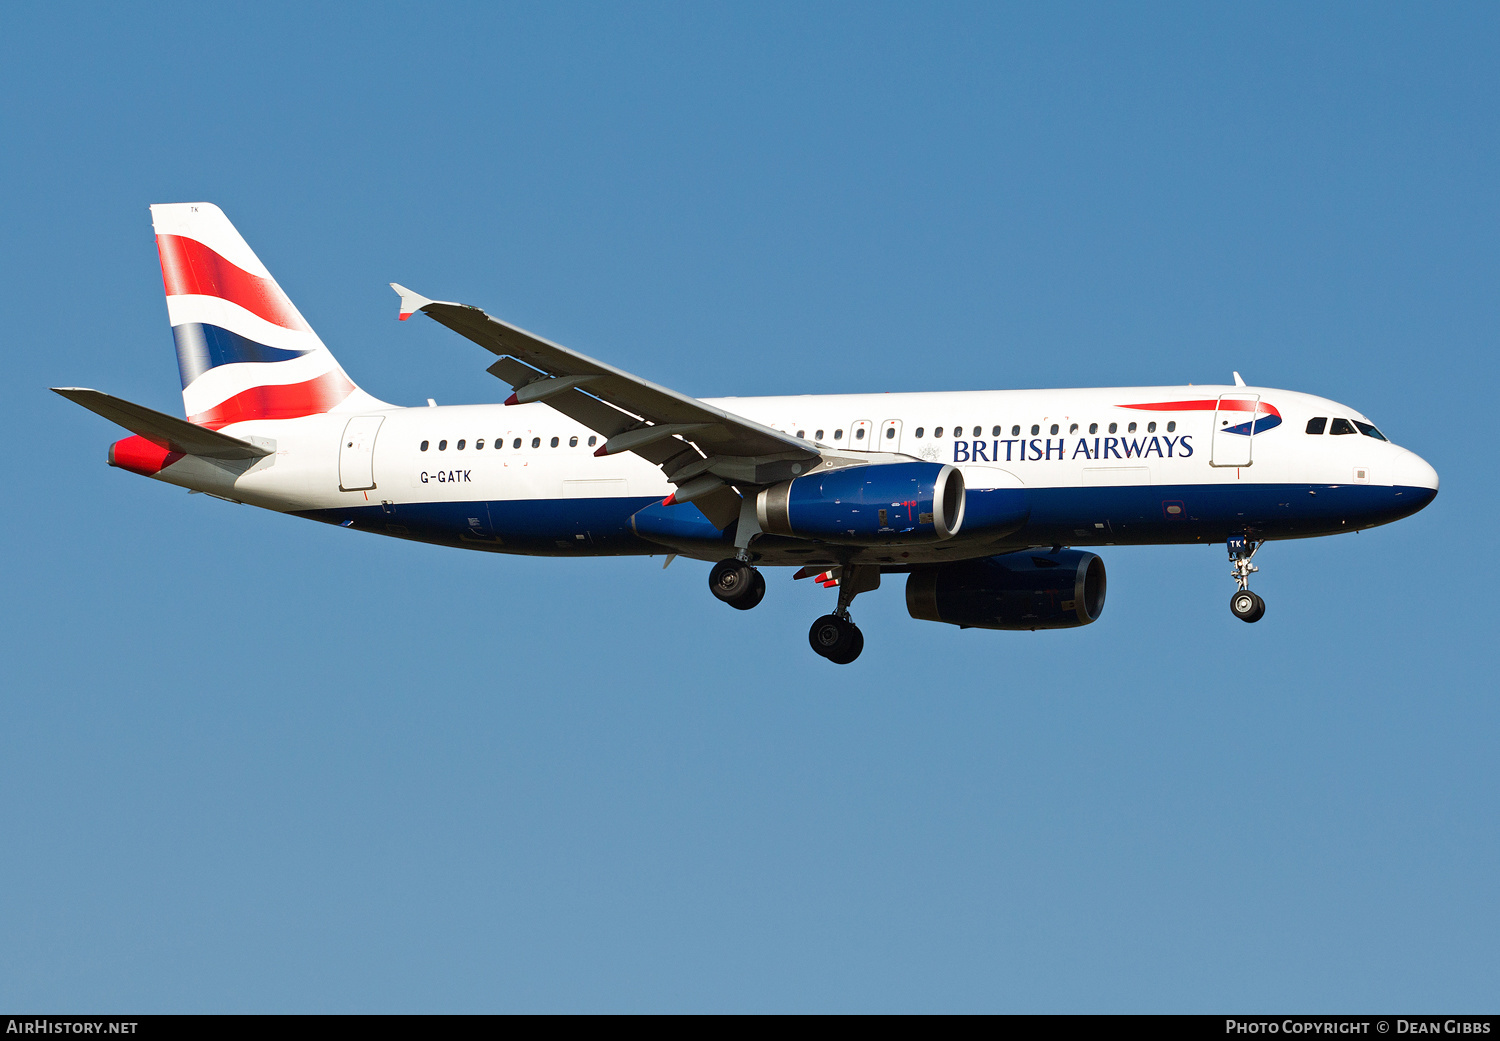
(243,349)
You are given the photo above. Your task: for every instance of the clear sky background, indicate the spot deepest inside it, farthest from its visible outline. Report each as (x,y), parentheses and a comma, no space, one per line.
(250,763)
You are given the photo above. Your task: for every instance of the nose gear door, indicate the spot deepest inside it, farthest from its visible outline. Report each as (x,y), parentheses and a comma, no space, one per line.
(1234,430)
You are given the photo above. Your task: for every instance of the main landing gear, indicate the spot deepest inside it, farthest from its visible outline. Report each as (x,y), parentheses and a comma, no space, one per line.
(737,584)
(835,636)
(1245,605)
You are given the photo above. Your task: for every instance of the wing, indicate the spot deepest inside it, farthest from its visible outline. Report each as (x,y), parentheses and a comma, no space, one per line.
(705,451)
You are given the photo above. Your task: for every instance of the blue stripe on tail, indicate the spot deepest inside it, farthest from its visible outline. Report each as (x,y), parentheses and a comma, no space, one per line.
(201,347)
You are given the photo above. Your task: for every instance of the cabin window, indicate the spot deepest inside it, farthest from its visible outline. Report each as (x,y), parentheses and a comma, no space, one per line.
(859,434)
(1054,428)
(1150,428)
(1073,429)
(1368,429)
(479,444)
(554,442)
(1015,431)
(817,435)
(919,431)
(890,432)
(801,434)
(1130,429)
(1035,429)
(1317,425)
(1113,427)
(516,443)
(424,446)
(591,441)
(937,431)
(573,441)
(536,442)
(1341,426)
(996,430)
(1171,426)
(1093,428)
(838,435)
(460,445)
(978,431)
(442,446)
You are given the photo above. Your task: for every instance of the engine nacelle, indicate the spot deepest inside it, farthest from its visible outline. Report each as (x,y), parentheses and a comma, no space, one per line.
(1032,589)
(883,502)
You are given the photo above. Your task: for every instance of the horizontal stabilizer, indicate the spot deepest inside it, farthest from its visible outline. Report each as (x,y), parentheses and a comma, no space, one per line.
(161,429)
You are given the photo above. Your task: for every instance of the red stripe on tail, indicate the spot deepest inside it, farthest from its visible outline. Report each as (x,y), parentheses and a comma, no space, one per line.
(285,401)
(189,268)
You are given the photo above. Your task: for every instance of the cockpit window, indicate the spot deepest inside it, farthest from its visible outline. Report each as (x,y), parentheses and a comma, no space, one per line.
(1368,429)
(1341,426)
(1317,426)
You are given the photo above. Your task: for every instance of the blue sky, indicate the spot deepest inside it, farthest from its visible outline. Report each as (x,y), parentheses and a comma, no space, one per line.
(252,763)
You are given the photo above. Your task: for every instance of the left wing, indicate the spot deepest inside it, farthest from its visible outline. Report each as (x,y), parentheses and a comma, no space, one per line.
(706,451)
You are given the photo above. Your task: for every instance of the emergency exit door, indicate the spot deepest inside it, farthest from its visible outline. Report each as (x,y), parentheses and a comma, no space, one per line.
(357,454)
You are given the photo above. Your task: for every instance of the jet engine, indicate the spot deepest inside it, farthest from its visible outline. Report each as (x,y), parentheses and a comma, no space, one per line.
(883,502)
(1027,590)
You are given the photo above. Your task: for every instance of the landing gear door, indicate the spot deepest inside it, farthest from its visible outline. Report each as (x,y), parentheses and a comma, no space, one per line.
(357,454)
(890,436)
(1234,429)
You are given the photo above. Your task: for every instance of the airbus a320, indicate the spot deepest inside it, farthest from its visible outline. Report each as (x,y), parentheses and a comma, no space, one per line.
(983,500)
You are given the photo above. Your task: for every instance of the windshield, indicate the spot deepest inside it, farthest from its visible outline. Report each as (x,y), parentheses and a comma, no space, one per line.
(1368,429)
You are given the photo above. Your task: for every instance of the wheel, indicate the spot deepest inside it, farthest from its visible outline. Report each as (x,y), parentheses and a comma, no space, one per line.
(737,584)
(836,639)
(1260,609)
(855,646)
(754,595)
(1247,606)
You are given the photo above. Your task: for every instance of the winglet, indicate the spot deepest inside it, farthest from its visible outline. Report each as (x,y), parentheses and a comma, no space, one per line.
(411,302)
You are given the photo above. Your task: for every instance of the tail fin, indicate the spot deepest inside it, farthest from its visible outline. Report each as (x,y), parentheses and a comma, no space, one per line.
(244,351)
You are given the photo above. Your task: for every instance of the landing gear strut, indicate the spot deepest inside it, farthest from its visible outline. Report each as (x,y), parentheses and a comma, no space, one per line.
(737,584)
(835,636)
(1245,605)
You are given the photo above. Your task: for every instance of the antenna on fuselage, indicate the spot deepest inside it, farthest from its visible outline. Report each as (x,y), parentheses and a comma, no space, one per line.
(1239,381)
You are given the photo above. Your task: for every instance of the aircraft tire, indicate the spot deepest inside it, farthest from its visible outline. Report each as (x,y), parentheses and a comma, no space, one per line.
(856,645)
(1247,606)
(833,637)
(754,595)
(737,584)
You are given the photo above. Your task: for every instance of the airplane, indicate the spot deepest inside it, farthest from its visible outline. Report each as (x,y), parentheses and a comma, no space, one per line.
(982,499)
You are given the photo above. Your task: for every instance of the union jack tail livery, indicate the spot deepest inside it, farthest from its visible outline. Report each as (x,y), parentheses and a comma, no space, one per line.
(243,349)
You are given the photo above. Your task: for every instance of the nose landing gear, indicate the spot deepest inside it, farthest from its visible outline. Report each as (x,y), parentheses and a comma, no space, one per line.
(1245,605)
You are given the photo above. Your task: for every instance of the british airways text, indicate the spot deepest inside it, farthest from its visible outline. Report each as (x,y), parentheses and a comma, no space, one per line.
(1042,449)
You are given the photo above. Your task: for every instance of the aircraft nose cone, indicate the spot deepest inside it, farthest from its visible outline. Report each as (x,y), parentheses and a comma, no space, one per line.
(1415,472)
(1412,471)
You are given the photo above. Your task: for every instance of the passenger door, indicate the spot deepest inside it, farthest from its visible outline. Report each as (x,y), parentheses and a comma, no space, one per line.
(357,454)
(1234,430)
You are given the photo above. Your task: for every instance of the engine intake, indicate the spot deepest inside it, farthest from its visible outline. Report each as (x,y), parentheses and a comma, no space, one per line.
(1026,590)
(891,502)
